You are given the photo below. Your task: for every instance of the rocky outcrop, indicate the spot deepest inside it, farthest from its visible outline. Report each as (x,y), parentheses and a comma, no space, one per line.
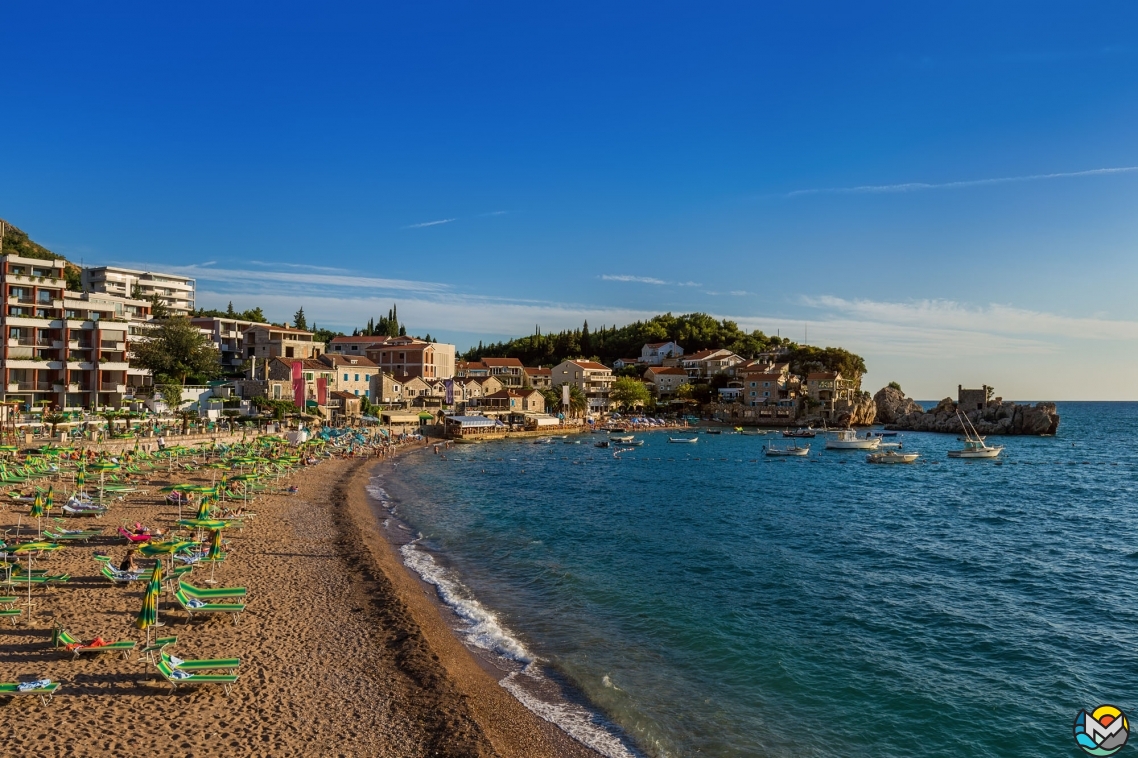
(861,411)
(892,404)
(996,417)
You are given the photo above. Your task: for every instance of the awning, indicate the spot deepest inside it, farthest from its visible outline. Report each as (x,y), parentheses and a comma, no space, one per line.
(426,415)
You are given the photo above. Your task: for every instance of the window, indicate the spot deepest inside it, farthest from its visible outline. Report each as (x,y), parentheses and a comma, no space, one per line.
(276,392)
(345,377)
(357,377)
(357,393)
(308,376)
(288,352)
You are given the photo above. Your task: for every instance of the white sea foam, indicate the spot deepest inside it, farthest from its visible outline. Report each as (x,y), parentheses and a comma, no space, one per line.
(579,723)
(482,627)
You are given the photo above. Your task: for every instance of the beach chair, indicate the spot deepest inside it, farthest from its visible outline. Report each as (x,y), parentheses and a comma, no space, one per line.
(205,664)
(70,535)
(119,577)
(148,652)
(44,692)
(189,605)
(210,592)
(61,639)
(177,677)
(7,601)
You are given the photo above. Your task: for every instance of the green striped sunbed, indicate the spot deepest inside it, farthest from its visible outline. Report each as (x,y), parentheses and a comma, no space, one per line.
(234,609)
(225,680)
(12,689)
(60,639)
(7,611)
(208,593)
(204,664)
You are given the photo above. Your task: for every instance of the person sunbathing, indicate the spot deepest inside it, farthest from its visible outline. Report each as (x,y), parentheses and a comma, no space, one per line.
(128,565)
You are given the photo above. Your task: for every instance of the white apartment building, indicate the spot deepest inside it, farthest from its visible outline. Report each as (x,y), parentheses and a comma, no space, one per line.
(61,348)
(228,336)
(176,292)
(592,378)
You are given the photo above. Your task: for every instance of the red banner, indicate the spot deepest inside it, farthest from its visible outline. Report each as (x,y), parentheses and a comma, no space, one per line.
(298,384)
(322,391)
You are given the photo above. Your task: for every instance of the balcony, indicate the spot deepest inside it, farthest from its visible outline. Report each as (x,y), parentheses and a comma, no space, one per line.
(111,387)
(20,386)
(109,345)
(24,352)
(43,386)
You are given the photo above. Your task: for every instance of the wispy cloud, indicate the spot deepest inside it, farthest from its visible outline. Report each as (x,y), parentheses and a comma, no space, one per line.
(629,278)
(295,281)
(645,280)
(919,186)
(424,224)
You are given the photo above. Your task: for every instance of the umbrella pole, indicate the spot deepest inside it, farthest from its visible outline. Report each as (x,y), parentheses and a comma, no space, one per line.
(212,566)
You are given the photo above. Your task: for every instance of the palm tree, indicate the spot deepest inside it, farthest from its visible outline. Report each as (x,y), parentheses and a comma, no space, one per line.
(578,403)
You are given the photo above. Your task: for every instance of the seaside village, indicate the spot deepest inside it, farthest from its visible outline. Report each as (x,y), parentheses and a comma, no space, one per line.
(68,352)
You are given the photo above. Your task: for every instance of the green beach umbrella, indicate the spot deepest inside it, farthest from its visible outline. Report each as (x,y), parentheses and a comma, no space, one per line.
(31,548)
(214,556)
(148,615)
(81,479)
(37,512)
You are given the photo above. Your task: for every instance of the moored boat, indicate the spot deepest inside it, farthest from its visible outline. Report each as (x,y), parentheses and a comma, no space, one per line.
(677,440)
(806,433)
(847,439)
(789,450)
(974,444)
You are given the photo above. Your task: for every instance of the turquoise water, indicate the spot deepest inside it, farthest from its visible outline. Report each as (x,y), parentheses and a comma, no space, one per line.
(711,601)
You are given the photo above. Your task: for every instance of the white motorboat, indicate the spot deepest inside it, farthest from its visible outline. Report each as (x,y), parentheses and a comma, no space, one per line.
(678,440)
(790,450)
(892,456)
(847,439)
(621,439)
(974,444)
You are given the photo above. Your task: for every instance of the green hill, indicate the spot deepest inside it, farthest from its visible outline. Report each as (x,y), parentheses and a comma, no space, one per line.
(16,241)
(693,332)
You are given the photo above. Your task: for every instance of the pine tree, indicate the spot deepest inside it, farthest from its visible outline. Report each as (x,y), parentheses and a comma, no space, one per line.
(229,311)
(298,320)
(586,343)
(402,331)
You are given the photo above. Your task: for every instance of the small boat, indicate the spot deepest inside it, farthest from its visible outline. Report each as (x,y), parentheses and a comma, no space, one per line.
(678,440)
(847,439)
(543,441)
(897,445)
(892,456)
(601,443)
(622,438)
(789,450)
(713,431)
(629,443)
(885,434)
(617,430)
(974,444)
(805,433)
(739,429)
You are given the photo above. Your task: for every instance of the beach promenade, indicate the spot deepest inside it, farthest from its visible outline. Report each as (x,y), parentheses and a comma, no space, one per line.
(342,651)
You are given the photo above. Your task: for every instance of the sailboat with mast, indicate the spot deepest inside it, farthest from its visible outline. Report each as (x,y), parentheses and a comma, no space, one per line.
(974,444)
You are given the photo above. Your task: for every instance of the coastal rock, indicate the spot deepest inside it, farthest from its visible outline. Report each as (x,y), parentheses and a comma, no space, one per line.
(997,417)
(891,404)
(862,411)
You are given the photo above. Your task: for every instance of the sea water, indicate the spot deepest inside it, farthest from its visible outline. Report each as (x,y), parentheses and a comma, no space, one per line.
(708,600)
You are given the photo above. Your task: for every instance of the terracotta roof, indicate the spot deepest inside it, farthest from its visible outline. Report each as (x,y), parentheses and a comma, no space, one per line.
(764,377)
(539,371)
(344,395)
(670,371)
(308,364)
(661,344)
(512,393)
(356,361)
(700,355)
(591,365)
(512,362)
(368,340)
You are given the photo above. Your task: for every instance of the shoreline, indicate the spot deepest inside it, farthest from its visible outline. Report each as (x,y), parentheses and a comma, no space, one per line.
(461,705)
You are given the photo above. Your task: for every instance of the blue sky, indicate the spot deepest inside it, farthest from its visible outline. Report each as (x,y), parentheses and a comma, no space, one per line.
(493,167)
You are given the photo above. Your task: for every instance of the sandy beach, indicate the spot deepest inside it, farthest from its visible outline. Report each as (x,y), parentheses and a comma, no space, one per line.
(343,652)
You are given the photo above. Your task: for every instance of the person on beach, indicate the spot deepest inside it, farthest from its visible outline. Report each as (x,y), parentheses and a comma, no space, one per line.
(128,564)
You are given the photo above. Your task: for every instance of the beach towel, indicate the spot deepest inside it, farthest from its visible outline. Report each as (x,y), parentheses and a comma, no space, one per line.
(179,674)
(39,684)
(193,602)
(175,661)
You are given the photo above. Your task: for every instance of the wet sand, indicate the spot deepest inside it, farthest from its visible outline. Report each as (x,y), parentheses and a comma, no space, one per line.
(343,652)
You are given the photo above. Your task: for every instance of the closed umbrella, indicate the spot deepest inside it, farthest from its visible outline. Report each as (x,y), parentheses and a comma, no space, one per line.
(37,512)
(81,480)
(214,556)
(103,467)
(148,615)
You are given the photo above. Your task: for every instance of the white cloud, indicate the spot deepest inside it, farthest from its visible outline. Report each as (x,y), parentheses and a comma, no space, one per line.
(645,280)
(431,223)
(304,281)
(917,186)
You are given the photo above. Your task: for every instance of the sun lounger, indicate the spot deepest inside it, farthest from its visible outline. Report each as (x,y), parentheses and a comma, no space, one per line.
(208,593)
(8,611)
(132,537)
(61,639)
(177,678)
(37,578)
(149,651)
(123,577)
(12,689)
(187,603)
(206,664)
(68,535)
